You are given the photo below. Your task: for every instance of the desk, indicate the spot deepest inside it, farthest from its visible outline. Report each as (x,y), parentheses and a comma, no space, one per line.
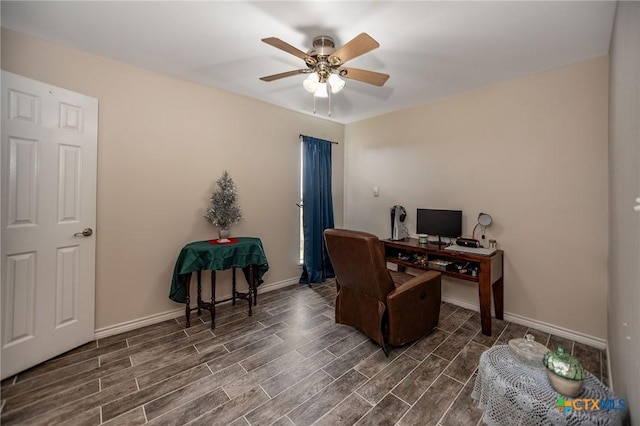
(511,393)
(244,252)
(490,271)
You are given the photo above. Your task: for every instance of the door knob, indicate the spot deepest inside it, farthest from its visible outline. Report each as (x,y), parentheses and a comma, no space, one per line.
(86,232)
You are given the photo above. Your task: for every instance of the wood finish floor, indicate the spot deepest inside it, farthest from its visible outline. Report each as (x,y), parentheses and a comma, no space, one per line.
(288,364)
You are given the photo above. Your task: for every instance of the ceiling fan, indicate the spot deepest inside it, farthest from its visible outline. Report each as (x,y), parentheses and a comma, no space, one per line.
(325,64)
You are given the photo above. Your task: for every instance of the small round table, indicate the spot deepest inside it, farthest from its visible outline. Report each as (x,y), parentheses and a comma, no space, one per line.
(246,253)
(511,393)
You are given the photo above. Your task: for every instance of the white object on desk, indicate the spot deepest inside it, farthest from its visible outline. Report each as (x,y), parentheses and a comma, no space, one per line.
(473,250)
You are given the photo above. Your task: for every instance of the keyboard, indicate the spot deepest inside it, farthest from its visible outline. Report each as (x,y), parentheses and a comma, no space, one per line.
(473,250)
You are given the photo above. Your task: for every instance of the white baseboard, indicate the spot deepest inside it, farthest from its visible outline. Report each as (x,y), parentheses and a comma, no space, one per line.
(608,366)
(112,330)
(265,288)
(538,325)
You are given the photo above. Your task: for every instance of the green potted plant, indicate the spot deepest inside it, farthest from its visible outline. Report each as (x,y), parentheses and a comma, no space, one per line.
(223,211)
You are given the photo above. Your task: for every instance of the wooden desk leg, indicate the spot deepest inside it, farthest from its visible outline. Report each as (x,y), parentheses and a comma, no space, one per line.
(199,274)
(484,295)
(187,284)
(498,298)
(212,308)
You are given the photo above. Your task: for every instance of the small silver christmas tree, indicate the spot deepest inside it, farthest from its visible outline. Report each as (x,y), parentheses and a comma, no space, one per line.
(223,211)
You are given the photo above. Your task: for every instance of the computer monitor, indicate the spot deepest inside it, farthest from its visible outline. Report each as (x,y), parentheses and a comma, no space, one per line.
(441,223)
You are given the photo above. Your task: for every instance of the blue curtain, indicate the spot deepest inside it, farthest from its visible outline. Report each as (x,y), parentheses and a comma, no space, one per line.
(317,209)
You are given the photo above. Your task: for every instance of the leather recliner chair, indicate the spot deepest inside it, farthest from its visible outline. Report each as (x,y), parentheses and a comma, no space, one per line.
(392,308)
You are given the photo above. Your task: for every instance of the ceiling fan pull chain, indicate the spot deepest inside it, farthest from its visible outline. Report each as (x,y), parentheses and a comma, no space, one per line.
(329,95)
(314,104)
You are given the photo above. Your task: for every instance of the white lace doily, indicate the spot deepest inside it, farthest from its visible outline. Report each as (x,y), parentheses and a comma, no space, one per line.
(511,393)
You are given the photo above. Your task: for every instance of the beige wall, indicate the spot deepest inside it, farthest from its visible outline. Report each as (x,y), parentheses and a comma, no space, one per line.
(162,144)
(624,222)
(532,153)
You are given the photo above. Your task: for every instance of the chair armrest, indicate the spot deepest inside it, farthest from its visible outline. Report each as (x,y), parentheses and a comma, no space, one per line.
(413,284)
(414,308)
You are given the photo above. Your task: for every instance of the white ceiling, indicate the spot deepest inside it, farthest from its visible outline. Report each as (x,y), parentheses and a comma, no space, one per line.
(431,49)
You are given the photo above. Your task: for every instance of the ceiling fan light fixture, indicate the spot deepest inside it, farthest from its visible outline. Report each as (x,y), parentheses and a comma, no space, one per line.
(321,91)
(311,83)
(336,83)
(324,65)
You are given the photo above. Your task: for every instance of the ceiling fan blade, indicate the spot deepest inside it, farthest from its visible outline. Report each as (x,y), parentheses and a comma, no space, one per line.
(283,75)
(371,77)
(282,45)
(361,44)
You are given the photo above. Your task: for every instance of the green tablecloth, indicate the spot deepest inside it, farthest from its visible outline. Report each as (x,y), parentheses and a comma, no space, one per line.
(204,255)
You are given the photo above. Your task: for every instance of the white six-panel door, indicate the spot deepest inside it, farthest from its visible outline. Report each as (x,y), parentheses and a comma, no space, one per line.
(48,169)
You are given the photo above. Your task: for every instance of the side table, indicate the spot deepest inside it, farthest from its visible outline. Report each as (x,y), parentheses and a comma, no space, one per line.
(511,393)
(246,253)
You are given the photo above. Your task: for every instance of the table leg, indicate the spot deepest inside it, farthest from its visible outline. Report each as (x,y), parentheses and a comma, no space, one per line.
(233,286)
(199,274)
(484,295)
(251,289)
(254,283)
(498,298)
(212,308)
(187,285)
